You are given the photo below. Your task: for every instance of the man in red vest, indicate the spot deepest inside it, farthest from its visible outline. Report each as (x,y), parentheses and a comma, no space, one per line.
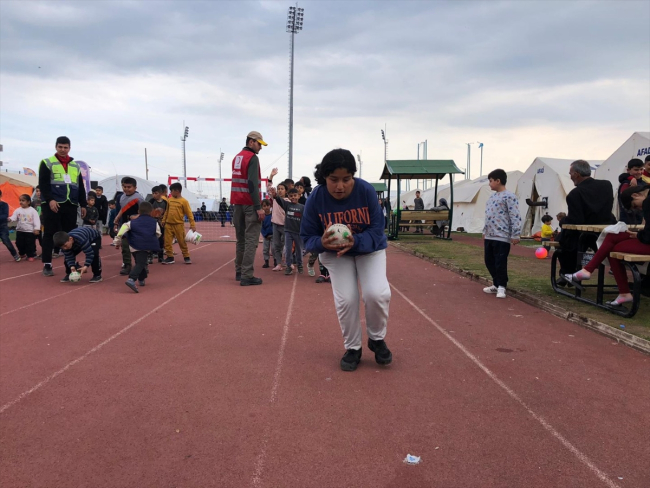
(248,215)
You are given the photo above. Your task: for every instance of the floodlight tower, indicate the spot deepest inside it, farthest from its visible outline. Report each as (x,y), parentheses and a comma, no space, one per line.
(220,180)
(468,171)
(360,166)
(185,136)
(294,25)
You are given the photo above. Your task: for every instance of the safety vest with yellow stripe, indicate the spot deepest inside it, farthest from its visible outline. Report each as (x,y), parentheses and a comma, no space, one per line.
(239,193)
(64,185)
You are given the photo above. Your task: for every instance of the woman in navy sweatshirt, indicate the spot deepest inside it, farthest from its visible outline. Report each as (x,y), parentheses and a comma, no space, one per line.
(340,198)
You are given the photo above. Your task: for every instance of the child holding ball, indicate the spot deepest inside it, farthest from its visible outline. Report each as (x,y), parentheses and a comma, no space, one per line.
(340,198)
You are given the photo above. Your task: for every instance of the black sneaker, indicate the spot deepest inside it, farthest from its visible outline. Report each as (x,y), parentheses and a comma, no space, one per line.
(382,353)
(125,270)
(141,282)
(351,359)
(17,258)
(237,276)
(95,279)
(150,260)
(266,264)
(187,260)
(250,281)
(287,270)
(65,279)
(323,279)
(47,270)
(168,261)
(300,270)
(131,284)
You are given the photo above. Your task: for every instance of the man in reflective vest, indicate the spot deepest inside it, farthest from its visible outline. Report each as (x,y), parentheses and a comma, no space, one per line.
(248,214)
(62,192)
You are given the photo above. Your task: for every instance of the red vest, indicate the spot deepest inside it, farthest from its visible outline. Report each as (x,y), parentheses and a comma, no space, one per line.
(239,194)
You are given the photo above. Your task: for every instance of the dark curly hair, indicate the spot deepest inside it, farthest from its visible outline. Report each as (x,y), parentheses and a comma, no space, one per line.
(626,195)
(333,160)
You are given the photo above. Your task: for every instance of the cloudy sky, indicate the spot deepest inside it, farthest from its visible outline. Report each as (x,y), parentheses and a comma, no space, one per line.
(565,79)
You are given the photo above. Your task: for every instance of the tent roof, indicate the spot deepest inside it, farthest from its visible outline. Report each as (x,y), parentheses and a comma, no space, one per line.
(19,179)
(419,168)
(379,187)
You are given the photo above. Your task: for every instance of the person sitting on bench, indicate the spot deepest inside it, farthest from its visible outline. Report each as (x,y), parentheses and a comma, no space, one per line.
(590,202)
(629,242)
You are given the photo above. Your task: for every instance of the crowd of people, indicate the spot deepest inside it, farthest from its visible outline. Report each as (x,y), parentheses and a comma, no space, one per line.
(294,222)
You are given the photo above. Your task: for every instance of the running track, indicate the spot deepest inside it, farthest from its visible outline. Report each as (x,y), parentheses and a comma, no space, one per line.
(197,382)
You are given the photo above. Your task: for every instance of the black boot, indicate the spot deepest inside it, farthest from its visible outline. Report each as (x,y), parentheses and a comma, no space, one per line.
(266,264)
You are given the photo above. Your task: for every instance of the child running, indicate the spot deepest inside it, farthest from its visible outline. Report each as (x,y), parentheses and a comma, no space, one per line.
(29,226)
(81,239)
(4,229)
(128,203)
(142,234)
(174,221)
(343,199)
(502,228)
(159,204)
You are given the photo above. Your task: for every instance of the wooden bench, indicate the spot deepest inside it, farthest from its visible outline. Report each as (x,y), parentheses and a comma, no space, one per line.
(422,218)
(632,260)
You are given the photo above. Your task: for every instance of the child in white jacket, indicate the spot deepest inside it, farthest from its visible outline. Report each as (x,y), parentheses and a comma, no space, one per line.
(29,226)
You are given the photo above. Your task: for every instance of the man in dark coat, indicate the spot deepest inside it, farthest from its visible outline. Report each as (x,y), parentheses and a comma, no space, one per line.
(590,202)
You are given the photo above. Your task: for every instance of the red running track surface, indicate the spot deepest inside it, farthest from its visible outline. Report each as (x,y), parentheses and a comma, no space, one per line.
(198,382)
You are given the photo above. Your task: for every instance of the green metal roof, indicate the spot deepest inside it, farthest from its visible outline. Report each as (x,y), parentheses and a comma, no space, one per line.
(419,168)
(379,187)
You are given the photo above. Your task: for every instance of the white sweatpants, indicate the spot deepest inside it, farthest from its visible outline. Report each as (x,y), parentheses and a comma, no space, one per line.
(347,273)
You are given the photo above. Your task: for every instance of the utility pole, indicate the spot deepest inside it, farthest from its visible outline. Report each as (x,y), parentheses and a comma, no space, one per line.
(480,146)
(294,25)
(185,135)
(220,177)
(468,170)
(146,165)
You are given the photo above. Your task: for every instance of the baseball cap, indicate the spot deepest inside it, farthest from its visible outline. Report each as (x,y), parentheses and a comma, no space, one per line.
(258,137)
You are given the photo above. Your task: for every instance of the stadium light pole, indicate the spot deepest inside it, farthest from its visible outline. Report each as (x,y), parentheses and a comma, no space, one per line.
(183,139)
(360,166)
(383,136)
(469,161)
(480,146)
(294,25)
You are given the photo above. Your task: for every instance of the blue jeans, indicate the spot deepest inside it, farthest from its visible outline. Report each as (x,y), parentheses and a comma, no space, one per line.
(4,236)
(289,239)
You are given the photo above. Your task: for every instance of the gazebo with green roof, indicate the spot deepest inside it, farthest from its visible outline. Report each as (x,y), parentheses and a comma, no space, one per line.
(380,188)
(432,169)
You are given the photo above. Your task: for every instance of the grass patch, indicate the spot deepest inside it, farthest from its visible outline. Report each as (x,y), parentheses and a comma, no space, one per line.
(528,275)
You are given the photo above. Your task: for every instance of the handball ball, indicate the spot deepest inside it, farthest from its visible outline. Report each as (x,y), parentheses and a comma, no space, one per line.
(75,276)
(341,233)
(541,253)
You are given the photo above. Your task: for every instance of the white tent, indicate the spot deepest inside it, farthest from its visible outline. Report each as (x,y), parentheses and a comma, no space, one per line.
(637,146)
(545,177)
(470,197)
(113,184)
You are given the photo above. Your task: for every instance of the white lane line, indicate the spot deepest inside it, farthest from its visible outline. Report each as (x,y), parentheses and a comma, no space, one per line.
(261,458)
(547,426)
(53,267)
(75,288)
(25,394)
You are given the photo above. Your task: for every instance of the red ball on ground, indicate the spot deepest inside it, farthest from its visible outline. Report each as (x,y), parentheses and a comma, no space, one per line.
(541,253)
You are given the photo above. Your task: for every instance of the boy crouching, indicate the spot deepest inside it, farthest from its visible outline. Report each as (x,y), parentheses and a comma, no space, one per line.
(82,239)
(142,234)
